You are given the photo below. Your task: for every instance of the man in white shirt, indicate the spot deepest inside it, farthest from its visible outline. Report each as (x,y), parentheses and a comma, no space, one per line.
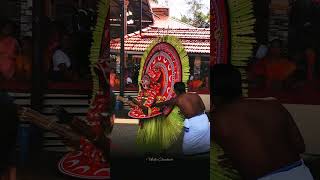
(61,62)
(129,80)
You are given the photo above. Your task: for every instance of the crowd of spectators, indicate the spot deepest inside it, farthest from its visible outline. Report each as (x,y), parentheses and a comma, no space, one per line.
(273,69)
(65,54)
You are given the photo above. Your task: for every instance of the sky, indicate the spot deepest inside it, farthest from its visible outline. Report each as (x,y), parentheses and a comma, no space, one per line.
(178,7)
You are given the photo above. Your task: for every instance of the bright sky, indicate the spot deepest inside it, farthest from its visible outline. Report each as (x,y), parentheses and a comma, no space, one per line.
(178,7)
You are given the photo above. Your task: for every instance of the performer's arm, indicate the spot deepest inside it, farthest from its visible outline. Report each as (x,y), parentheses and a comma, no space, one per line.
(134,101)
(170,102)
(70,134)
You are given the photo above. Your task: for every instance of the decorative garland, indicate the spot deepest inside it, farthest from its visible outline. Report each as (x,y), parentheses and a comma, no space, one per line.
(159,133)
(98,38)
(219,28)
(177,44)
(216,170)
(242,23)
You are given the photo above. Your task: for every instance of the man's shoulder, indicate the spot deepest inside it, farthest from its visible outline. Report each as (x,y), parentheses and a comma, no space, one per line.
(192,94)
(260,101)
(264,105)
(249,104)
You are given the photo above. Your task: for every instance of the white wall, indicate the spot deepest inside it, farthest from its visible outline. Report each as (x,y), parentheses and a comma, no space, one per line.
(307,118)
(206,100)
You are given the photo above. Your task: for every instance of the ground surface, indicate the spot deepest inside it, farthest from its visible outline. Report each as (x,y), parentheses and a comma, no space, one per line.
(44,165)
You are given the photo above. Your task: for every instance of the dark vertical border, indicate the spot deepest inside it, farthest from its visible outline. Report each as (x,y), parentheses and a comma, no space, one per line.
(38,79)
(227,26)
(220,32)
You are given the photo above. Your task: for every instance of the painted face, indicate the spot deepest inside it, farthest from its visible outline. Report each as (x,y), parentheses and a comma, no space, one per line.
(145,82)
(154,74)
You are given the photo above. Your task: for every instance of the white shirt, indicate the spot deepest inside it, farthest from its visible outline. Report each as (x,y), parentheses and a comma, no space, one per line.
(129,80)
(262,51)
(59,57)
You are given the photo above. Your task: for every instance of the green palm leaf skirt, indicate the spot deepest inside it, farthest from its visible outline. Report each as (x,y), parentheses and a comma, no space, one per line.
(160,133)
(218,171)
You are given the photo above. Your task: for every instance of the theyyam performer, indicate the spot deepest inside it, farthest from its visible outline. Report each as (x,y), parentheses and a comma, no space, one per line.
(163,107)
(89,137)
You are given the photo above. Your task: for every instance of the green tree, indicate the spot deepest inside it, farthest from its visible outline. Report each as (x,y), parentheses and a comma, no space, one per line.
(185,19)
(197,18)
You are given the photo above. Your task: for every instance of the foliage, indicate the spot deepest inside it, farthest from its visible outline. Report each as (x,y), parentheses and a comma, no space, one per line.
(197,17)
(242,23)
(103,10)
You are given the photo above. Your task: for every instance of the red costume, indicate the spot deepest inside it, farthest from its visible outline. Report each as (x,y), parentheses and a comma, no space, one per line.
(149,94)
(89,162)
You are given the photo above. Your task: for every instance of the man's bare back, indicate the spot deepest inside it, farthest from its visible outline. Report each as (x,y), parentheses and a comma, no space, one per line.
(260,136)
(190,104)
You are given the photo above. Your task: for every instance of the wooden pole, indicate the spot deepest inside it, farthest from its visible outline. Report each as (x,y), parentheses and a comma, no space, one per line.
(37,89)
(141,18)
(124,4)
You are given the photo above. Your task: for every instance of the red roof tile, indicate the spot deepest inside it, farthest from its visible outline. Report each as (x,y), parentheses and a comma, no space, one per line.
(195,40)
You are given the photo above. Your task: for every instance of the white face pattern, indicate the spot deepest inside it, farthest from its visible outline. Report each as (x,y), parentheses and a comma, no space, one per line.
(145,82)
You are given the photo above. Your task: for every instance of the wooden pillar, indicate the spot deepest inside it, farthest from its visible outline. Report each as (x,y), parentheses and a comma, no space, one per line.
(37,61)
(129,61)
(124,4)
(37,89)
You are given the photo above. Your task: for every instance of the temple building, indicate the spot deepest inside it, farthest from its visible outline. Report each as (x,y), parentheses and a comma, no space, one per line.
(196,41)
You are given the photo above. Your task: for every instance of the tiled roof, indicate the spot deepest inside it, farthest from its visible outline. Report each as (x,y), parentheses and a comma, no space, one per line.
(195,40)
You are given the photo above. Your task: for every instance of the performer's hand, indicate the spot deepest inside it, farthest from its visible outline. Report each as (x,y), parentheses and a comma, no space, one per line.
(130,98)
(62,114)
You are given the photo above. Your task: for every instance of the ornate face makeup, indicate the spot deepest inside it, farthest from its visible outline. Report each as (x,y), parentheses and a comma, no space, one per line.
(145,82)
(154,74)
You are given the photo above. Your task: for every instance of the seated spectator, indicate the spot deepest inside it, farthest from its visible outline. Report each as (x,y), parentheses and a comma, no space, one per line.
(8,50)
(195,85)
(8,134)
(61,62)
(260,136)
(112,78)
(24,61)
(274,69)
(55,35)
(261,52)
(129,80)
